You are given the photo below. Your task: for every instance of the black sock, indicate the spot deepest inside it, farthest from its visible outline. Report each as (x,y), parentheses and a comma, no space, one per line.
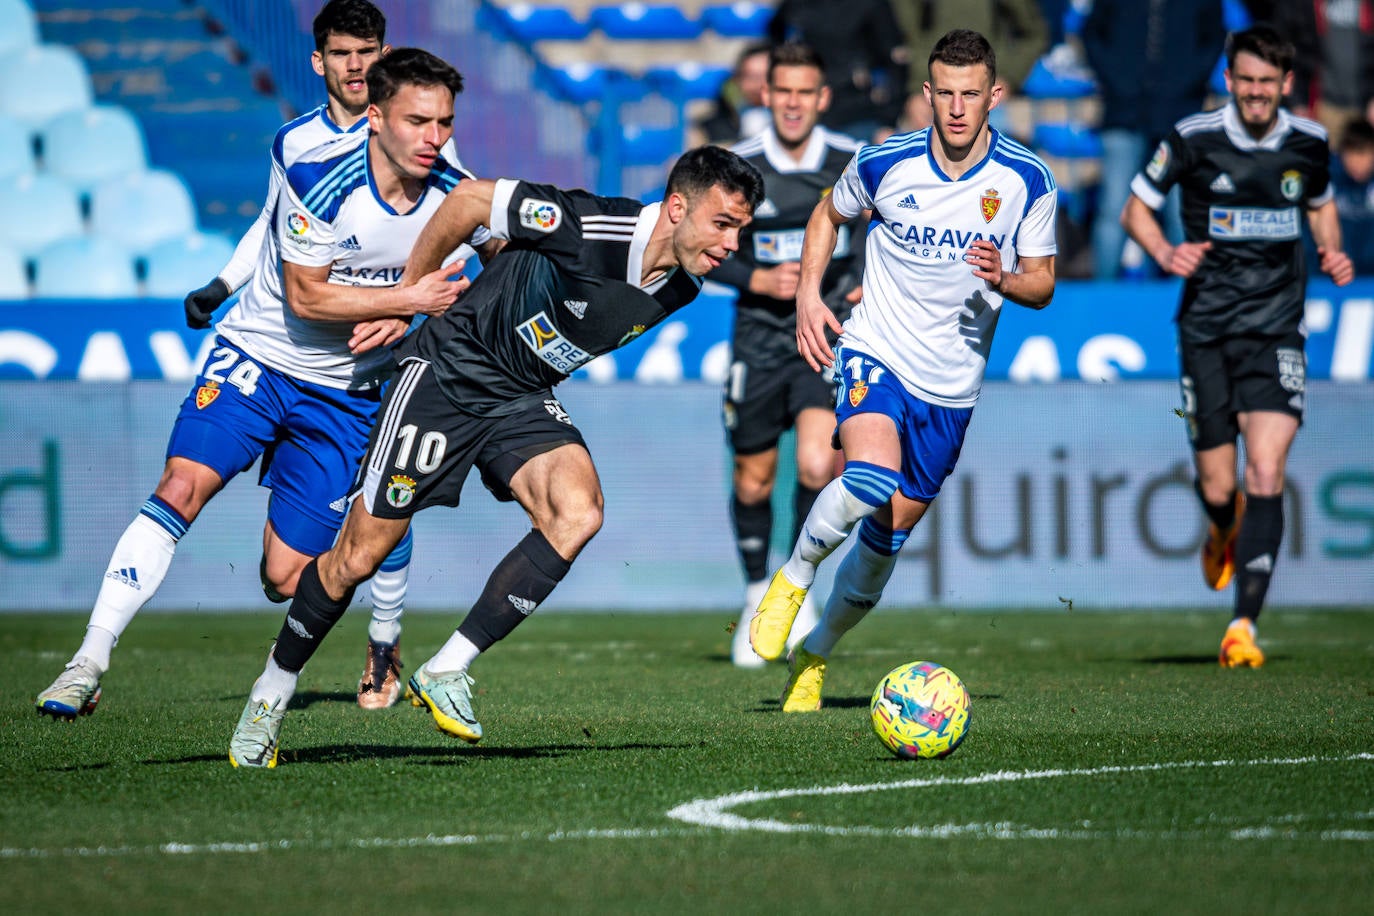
(308,621)
(1257,550)
(803,498)
(516,587)
(753,531)
(1223,516)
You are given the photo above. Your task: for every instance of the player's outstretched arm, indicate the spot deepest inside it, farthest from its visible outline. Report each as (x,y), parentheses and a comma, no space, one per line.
(310,295)
(1326,233)
(814,317)
(464,209)
(1181,260)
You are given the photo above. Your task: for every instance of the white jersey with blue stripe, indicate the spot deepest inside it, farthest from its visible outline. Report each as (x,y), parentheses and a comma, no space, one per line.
(330,213)
(293,138)
(924,314)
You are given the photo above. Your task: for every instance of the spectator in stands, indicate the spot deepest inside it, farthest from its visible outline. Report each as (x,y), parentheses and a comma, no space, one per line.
(1153,60)
(739,110)
(1352,177)
(1333,73)
(1015,27)
(865,57)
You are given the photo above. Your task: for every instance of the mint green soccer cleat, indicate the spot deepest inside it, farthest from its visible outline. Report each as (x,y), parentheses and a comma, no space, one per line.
(449,699)
(254,744)
(74,693)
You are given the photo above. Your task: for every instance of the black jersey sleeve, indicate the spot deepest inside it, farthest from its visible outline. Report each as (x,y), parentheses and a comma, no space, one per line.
(1170,161)
(541,216)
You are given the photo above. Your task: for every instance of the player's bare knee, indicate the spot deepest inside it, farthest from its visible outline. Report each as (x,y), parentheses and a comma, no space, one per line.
(815,473)
(1264,478)
(752,490)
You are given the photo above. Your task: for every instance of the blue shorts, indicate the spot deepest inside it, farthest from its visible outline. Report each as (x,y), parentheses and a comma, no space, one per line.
(931,436)
(311,439)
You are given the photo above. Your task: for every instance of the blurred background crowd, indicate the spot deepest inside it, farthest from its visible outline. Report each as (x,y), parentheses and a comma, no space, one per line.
(134,135)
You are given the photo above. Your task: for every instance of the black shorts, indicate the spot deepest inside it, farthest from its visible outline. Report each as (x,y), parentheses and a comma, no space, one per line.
(422,449)
(762,403)
(1239,374)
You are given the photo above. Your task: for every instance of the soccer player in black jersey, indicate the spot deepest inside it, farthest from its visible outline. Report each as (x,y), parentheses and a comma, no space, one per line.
(580,275)
(1246,172)
(770,387)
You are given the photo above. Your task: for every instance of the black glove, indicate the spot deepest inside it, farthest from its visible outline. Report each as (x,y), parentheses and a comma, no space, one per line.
(201,303)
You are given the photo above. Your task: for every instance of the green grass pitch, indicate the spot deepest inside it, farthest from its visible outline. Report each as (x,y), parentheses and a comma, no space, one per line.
(1112,767)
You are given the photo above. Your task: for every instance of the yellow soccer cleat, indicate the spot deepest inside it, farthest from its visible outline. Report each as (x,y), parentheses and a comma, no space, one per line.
(803,690)
(1238,649)
(773,619)
(1219,550)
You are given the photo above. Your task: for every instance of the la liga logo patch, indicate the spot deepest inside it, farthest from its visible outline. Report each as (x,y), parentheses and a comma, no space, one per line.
(540,215)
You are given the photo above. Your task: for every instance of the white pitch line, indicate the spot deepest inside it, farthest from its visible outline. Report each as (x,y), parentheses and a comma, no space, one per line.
(715,812)
(711,813)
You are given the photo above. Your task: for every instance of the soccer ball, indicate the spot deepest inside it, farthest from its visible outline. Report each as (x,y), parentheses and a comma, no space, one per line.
(920,709)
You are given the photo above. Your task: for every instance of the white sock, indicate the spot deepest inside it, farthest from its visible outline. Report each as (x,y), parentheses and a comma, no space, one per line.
(834,514)
(388,603)
(137,567)
(859,583)
(456,655)
(276,682)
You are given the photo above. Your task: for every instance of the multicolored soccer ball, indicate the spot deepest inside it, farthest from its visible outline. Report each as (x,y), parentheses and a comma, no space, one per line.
(921,709)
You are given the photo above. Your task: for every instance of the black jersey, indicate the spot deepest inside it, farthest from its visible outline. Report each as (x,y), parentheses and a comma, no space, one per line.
(1247,197)
(765,327)
(564,290)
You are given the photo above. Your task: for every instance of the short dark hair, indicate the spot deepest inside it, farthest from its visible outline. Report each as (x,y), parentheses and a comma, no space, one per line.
(1263,41)
(795,54)
(409,67)
(964,48)
(702,168)
(1358,135)
(358,18)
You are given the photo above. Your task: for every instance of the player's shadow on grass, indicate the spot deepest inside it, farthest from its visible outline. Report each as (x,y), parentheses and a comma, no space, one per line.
(447,756)
(771,705)
(1193,659)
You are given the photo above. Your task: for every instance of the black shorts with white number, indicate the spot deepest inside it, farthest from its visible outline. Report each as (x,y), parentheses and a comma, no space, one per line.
(762,402)
(1239,374)
(422,449)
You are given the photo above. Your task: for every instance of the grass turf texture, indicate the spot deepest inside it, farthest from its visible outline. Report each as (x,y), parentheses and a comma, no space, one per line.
(597,725)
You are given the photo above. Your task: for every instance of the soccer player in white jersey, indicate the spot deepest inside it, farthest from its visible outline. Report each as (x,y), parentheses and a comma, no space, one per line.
(962,220)
(295,374)
(350,36)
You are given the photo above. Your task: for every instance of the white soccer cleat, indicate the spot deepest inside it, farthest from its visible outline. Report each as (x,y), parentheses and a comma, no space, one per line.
(254,744)
(75,692)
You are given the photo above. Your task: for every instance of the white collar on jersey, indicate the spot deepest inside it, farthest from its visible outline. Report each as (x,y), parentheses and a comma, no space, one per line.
(813,157)
(644,228)
(1240,137)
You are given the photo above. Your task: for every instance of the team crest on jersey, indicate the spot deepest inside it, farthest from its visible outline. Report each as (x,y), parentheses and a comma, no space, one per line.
(857,391)
(632,334)
(1291,184)
(540,215)
(1159,162)
(206,394)
(991,204)
(401,491)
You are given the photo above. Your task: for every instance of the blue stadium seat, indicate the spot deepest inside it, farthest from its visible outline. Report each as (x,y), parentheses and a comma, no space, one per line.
(684,82)
(88,146)
(180,264)
(577,83)
(39,209)
(14,277)
(1067,141)
(41,82)
(527,23)
(142,209)
(16,149)
(20,28)
(649,145)
(1044,83)
(738,20)
(643,21)
(84,267)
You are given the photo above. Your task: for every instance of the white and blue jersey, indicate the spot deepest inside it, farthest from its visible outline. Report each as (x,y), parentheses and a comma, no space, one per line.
(330,213)
(924,315)
(294,138)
